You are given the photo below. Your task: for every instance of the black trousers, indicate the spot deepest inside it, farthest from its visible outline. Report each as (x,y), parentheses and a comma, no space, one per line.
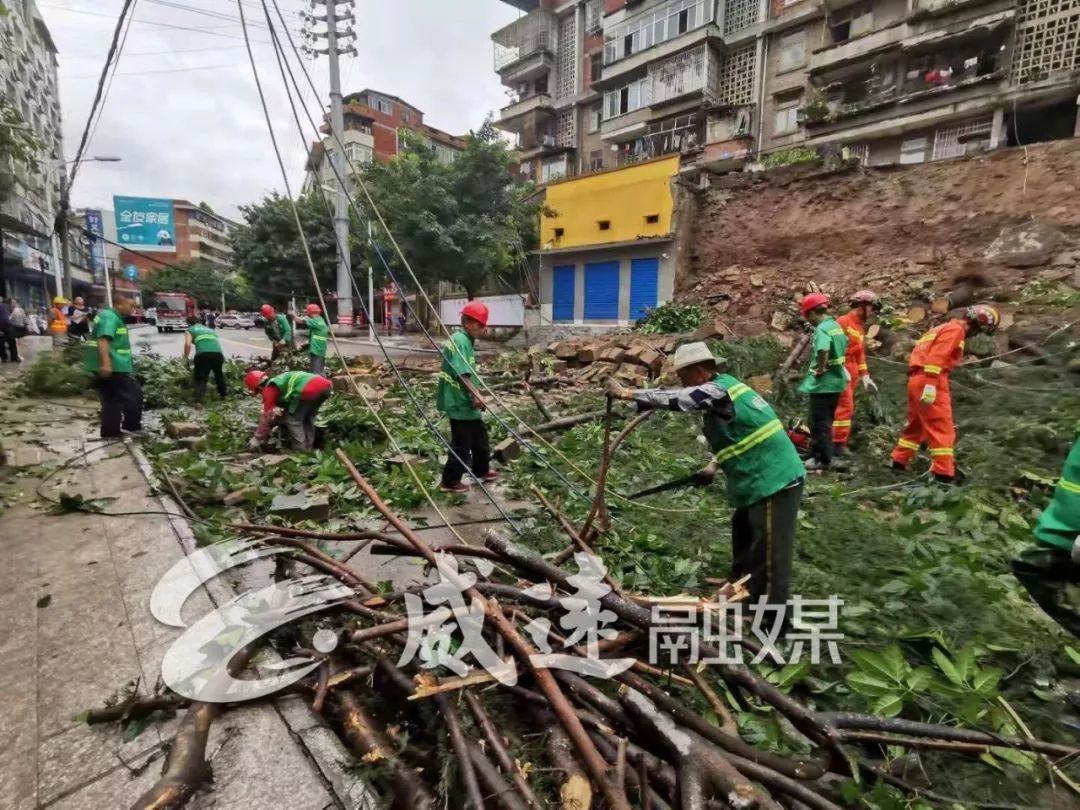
(204,365)
(318,365)
(469,438)
(822,413)
(121,404)
(9,349)
(763,544)
(1052,579)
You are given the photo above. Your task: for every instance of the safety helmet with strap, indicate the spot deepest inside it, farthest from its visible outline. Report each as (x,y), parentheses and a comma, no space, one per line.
(253,379)
(812,301)
(313,309)
(477,310)
(985,316)
(864,297)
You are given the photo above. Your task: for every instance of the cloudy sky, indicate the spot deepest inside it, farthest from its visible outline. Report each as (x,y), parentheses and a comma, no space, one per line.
(183,111)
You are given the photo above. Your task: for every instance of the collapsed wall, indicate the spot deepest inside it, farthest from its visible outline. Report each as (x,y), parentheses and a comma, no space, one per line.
(760,238)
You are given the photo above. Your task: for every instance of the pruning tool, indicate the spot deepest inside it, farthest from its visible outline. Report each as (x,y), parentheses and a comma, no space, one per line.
(693,480)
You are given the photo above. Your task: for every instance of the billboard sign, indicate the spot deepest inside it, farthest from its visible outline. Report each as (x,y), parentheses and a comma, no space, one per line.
(95,227)
(145,223)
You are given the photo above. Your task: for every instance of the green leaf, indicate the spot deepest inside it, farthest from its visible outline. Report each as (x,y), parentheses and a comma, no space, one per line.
(134,727)
(986,681)
(945,664)
(792,674)
(1074,655)
(888,705)
(888,664)
(868,685)
(990,760)
(1021,759)
(919,678)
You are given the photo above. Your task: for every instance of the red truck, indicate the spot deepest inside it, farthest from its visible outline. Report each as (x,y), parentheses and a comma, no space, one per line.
(173,310)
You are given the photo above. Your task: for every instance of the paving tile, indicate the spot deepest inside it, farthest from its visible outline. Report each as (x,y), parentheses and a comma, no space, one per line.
(18,738)
(116,789)
(67,687)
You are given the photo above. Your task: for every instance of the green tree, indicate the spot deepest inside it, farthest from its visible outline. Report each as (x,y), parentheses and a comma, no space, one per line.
(269,254)
(201,280)
(466,222)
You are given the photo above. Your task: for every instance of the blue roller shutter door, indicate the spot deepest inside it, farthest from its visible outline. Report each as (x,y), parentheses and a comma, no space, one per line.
(644,278)
(602,291)
(562,293)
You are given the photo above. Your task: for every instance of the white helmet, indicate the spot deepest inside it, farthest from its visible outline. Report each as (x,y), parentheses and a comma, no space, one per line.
(691,354)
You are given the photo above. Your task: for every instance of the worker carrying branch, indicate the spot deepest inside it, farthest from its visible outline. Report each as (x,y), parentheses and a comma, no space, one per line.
(826,379)
(1050,570)
(863,305)
(294,397)
(278,330)
(458,397)
(317,334)
(930,419)
(764,472)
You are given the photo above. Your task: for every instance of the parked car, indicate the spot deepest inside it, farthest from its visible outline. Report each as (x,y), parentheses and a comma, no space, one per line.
(234,320)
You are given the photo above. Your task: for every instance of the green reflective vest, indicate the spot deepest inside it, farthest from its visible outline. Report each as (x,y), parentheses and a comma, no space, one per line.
(1060,523)
(829,336)
(459,359)
(317,332)
(109,325)
(291,385)
(753,449)
(278,329)
(205,339)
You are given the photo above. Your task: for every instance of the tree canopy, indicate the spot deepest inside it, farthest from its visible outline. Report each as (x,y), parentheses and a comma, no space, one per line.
(201,280)
(18,144)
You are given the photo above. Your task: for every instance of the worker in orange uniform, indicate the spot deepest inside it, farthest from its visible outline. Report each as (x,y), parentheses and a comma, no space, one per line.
(929,403)
(863,304)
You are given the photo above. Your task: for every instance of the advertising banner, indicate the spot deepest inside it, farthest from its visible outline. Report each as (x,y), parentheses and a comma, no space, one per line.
(96,227)
(145,223)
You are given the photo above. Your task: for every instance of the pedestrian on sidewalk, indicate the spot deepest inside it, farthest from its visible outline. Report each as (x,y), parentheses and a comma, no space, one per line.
(317,334)
(209,359)
(20,327)
(458,398)
(58,326)
(294,397)
(108,358)
(7,336)
(78,317)
(763,470)
(826,379)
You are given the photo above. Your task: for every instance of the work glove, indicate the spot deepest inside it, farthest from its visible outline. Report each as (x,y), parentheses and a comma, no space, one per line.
(929,394)
(706,475)
(868,383)
(615,389)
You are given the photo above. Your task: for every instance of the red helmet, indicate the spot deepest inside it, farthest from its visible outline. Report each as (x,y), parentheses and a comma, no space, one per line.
(985,316)
(313,309)
(253,379)
(864,297)
(476,310)
(812,301)
(267,311)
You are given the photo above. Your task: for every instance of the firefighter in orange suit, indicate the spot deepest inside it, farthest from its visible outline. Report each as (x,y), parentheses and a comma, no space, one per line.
(863,304)
(930,418)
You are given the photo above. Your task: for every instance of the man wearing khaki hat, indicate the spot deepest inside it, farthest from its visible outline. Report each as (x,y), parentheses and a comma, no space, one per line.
(763,470)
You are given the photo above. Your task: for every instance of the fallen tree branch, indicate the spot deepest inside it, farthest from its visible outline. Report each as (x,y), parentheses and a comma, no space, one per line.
(474,800)
(502,756)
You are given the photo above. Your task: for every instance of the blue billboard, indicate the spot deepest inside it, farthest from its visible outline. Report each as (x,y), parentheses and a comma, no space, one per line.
(95,227)
(145,223)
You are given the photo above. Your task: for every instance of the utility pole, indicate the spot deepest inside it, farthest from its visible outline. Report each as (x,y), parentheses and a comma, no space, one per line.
(62,233)
(370,288)
(333,38)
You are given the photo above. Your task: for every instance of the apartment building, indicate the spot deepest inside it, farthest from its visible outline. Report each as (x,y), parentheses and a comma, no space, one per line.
(375,127)
(28,83)
(598,84)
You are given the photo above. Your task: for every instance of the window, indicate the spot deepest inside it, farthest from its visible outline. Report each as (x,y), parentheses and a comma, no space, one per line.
(604,224)
(405,116)
(913,150)
(596,65)
(666,22)
(626,99)
(652,219)
(793,51)
(358,153)
(559,233)
(785,120)
(596,113)
(596,160)
(383,105)
(553,169)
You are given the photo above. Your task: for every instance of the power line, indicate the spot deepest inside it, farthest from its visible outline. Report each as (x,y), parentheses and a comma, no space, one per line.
(208,31)
(130,55)
(171,70)
(112,76)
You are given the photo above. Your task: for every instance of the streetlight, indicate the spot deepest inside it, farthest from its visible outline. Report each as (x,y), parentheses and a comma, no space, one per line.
(61,226)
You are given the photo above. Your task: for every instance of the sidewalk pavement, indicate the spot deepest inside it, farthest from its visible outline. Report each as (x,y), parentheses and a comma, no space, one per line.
(75,628)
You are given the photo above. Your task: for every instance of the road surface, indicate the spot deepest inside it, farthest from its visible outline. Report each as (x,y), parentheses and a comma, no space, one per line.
(246,343)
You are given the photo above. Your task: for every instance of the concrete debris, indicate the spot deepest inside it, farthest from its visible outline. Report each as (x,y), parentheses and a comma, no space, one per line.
(1031,244)
(781,321)
(21,456)
(310,505)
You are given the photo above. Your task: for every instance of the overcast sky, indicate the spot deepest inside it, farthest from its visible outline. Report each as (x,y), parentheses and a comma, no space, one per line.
(183,111)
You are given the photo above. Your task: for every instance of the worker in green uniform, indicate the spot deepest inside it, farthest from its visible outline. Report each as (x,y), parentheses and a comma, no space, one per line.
(458,398)
(317,333)
(293,397)
(108,358)
(826,379)
(209,359)
(763,470)
(1050,570)
(278,329)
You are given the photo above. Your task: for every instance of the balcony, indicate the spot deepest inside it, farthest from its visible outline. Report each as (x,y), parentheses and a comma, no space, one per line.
(526,47)
(523,114)
(856,49)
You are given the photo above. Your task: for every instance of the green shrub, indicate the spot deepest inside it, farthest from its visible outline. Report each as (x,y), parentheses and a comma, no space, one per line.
(670,318)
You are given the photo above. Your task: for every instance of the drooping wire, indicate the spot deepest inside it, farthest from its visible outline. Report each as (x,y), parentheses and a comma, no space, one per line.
(99,93)
(286,75)
(315,278)
(112,75)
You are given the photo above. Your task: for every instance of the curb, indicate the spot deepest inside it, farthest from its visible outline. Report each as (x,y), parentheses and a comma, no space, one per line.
(333,762)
